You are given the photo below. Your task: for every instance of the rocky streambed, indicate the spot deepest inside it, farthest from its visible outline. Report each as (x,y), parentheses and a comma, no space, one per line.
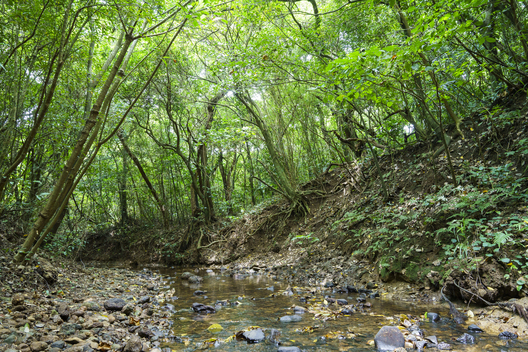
(237,308)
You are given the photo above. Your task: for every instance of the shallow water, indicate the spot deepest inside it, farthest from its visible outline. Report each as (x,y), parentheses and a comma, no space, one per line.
(263,300)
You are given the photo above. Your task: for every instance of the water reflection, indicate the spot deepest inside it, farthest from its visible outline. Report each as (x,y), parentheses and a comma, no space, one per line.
(258,300)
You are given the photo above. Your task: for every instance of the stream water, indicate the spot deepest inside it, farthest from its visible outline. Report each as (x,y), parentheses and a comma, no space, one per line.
(262,301)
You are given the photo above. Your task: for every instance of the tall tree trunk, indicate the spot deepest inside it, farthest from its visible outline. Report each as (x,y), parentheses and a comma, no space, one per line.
(151,188)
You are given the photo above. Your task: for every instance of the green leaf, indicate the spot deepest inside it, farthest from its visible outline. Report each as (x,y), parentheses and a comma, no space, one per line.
(505,260)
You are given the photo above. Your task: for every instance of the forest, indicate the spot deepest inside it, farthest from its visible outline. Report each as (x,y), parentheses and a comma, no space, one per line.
(310,153)
(179,118)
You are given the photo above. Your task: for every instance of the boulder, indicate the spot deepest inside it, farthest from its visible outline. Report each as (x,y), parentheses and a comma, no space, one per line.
(389,338)
(114,304)
(254,336)
(203,309)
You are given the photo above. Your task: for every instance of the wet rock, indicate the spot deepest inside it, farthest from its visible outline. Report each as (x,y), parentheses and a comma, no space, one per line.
(203,309)
(351,289)
(420,345)
(361,298)
(508,335)
(389,338)
(58,344)
(274,337)
(432,339)
(374,295)
(17,299)
(133,345)
(433,317)
(475,328)
(466,339)
(144,299)
(299,310)
(330,300)
(38,346)
(199,293)
(329,284)
(195,279)
(64,311)
(444,346)
(289,349)
(114,304)
(254,336)
(186,275)
(128,309)
(290,318)
(342,302)
(347,311)
(145,332)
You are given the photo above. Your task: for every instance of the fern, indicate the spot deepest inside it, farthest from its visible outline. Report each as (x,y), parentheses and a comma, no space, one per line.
(501,238)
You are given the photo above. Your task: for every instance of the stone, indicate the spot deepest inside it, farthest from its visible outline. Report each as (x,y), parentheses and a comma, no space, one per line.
(290,318)
(475,328)
(58,344)
(92,306)
(17,299)
(133,345)
(144,299)
(433,317)
(73,340)
(254,336)
(64,311)
(289,349)
(203,309)
(329,284)
(128,309)
(114,304)
(24,348)
(195,279)
(508,335)
(186,275)
(38,346)
(444,346)
(342,302)
(199,293)
(299,310)
(420,345)
(347,311)
(145,332)
(352,289)
(10,339)
(466,339)
(389,338)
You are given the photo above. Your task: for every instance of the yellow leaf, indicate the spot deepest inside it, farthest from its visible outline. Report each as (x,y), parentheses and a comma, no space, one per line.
(485,191)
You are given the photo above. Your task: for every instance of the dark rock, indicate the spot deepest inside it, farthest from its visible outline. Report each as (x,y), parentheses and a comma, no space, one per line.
(144,299)
(58,344)
(389,338)
(128,309)
(475,328)
(145,332)
(365,291)
(329,284)
(17,299)
(274,337)
(254,336)
(290,318)
(92,306)
(433,317)
(508,335)
(371,285)
(64,311)
(133,345)
(73,340)
(347,311)
(361,298)
(48,271)
(330,300)
(466,339)
(38,346)
(114,304)
(289,349)
(351,289)
(374,295)
(203,309)
(69,329)
(433,340)
(342,302)
(443,346)
(199,293)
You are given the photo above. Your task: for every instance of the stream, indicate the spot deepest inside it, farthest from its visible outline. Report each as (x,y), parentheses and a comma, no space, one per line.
(258,300)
